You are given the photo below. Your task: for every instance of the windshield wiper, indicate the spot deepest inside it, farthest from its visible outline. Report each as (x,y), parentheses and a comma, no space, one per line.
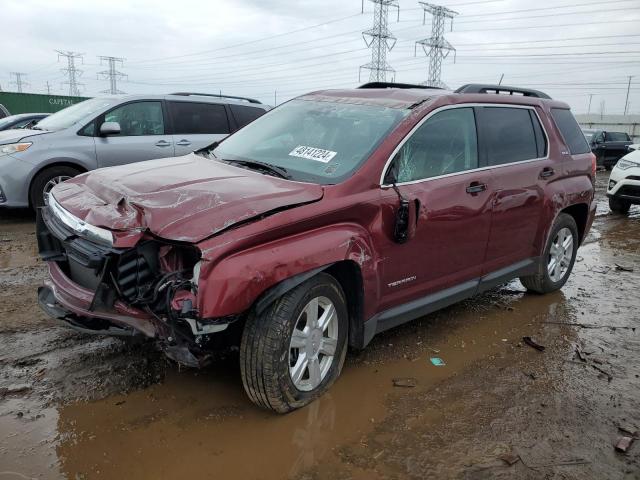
(278,171)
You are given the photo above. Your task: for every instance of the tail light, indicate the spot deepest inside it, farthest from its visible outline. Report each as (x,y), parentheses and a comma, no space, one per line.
(593,167)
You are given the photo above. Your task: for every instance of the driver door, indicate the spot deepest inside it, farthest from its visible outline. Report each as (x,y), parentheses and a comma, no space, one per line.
(142,134)
(437,168)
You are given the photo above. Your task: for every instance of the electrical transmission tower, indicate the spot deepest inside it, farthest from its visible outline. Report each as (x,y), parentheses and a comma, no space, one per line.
(436,47)
(19,80)
(380,40)
(71,71)
(111,74)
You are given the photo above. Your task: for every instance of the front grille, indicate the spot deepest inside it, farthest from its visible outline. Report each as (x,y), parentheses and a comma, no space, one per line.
(633,177)
(629,190)
(134,275)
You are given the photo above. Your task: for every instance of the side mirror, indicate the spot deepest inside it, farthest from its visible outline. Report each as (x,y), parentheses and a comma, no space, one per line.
(109,128)
(405,222)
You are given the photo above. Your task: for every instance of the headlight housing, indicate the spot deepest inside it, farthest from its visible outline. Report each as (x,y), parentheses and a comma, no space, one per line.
(624,164)
(14,148)
(82,228)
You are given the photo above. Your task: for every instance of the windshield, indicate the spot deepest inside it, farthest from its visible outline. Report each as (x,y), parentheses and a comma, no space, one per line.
(7,121)
(73,114)
(315,141)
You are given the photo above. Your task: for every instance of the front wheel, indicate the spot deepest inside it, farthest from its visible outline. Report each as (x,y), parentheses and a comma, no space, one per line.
(617,205)
(44,181)
(292,353)
(558,258)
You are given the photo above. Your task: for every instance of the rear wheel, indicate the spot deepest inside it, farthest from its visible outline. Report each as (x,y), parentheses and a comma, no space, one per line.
(292,353)
(558,258)
(46,180)
(618,205)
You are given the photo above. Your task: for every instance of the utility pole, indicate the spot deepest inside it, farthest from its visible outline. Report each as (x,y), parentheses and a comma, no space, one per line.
(501,77)
(380,40)
(19,80)
(48,85)
(589,108)
(438,47)
(111,74)
(602,105)
(71,71)
(626,101)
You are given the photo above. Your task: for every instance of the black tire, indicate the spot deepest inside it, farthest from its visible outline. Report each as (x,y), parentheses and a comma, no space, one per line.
(541,282)
(36,191)
(265,347)
(618,205)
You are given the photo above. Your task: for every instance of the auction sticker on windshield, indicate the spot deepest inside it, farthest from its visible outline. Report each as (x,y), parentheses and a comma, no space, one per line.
(312,153)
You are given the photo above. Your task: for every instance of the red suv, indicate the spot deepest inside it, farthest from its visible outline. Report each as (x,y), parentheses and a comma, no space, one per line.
(337,215)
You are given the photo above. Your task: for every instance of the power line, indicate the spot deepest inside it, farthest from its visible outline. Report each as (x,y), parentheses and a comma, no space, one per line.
(19,80)
(439,47)
(380,40)
(71,71)
(111,74)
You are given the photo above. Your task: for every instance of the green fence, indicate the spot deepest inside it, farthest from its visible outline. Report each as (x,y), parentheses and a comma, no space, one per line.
(36,103)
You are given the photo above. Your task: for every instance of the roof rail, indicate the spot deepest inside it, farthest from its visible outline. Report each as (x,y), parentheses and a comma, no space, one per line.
(395,85)
(188,94)
(481,88)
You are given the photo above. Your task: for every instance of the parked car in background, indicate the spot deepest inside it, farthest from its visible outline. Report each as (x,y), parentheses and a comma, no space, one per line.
(634,146)
(103,132)
(624,183)
(608,147)
(22,120)
(334,217)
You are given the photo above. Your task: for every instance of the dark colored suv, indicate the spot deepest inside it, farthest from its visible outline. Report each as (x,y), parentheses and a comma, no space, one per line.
(337,215)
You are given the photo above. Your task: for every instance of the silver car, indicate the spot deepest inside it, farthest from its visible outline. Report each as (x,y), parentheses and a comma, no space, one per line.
(102,132)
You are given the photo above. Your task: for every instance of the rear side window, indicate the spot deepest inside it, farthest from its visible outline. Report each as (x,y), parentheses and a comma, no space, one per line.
(193,118)
(510,135)
(570,130)
(245,115)
(137,118)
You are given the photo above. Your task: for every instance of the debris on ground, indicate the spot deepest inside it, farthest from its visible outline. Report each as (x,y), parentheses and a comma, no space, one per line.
(532,343)
(623,444)
(404,382)
(623,268)
(590,325)
(438,362)
(509,458)
(14,389)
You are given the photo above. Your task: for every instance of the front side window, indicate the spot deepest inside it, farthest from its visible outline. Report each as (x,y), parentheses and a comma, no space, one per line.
(510,135)
(138,118)
(315,141)
(446,143)
(194,118)
(245,115)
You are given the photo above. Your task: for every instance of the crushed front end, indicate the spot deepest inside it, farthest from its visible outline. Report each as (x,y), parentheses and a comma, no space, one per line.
(146,286)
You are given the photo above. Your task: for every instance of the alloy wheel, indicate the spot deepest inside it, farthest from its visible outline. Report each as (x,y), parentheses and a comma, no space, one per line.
(560,255)
(50,184)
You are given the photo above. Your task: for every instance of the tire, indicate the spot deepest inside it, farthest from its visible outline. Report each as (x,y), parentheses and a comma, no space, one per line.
(42,180)
(618,205)
(544,281)
(268,361)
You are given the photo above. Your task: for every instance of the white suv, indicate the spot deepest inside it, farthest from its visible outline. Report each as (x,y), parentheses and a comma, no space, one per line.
(624,183)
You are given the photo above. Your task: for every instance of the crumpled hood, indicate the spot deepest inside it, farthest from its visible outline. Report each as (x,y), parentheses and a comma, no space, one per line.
(14,135)
(185,198)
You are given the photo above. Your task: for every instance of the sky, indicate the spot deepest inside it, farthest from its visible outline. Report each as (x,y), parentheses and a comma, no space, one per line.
(579,51)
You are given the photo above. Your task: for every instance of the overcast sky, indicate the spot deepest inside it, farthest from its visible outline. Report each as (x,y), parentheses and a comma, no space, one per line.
(568,48)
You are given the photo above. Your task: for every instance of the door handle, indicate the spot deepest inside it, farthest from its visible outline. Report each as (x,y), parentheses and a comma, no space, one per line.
(163,143)
(184,143)
(547,172)
(476,187)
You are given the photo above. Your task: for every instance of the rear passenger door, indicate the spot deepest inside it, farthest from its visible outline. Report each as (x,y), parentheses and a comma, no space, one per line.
(515,151)
(196,125)
(142,134)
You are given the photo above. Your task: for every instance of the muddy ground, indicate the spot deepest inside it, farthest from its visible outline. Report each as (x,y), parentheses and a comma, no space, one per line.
(81,407)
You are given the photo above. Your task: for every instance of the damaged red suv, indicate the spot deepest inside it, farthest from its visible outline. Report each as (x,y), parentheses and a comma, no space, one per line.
(335,216)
